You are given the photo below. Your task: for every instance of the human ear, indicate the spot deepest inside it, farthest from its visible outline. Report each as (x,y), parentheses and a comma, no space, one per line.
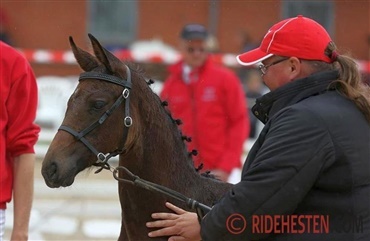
(295,68)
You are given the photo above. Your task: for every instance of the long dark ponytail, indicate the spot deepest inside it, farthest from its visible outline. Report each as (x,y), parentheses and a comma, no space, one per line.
(350,82)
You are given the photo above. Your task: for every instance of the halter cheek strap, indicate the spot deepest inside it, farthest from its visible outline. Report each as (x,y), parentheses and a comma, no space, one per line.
(80,136)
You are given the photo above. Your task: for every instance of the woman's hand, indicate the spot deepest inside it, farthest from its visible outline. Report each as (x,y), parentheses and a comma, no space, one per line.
(181,225)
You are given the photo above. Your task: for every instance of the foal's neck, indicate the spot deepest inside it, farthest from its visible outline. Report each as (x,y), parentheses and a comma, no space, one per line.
(164,156)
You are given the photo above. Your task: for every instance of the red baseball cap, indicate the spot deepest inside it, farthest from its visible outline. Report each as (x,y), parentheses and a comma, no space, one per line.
(299,37)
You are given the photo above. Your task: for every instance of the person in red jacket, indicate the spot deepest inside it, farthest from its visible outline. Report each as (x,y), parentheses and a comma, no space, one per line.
(18,103)
(209,100)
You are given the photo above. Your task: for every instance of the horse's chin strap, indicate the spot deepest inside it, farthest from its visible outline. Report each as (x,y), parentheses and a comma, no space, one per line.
(102,159)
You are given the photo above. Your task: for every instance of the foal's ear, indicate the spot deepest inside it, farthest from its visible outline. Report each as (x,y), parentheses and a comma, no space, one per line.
(104,56)
(86,61)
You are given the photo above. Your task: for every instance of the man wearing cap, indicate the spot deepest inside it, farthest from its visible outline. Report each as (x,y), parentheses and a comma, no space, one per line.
(209,100)
(312,158)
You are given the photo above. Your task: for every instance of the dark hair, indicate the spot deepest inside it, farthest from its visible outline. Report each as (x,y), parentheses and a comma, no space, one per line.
(194,31)
(350,82)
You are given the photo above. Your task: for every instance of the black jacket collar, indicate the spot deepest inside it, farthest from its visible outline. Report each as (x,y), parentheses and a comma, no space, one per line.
(269,104)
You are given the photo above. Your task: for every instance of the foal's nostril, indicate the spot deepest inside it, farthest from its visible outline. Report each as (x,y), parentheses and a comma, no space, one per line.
(50,172)
(53,171)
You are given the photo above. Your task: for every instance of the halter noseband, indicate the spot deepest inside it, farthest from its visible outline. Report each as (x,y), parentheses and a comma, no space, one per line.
(80,136)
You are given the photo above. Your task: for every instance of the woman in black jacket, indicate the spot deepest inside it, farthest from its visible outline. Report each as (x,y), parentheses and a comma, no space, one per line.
(307,177)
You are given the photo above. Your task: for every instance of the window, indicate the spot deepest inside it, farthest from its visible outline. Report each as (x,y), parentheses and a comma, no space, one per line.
(113,22)
(321,11)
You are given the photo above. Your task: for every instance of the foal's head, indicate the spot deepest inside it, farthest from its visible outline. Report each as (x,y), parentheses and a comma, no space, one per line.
(99,116)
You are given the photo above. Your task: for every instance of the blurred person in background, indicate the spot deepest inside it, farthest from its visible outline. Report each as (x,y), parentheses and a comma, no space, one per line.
(254,89)
(18,103)
(4,22)
(247,42)
(209,100)
(311,159)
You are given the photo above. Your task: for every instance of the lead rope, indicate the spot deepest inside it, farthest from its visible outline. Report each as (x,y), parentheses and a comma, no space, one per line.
(200,208)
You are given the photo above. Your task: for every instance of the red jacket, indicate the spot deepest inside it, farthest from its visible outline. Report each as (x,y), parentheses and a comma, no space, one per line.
(214,113)
(18,103)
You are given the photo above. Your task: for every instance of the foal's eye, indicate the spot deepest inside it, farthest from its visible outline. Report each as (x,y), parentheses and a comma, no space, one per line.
(99,104)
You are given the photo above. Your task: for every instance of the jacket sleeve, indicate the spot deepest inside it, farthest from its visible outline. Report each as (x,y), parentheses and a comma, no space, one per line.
(237,123)
(21,106)
(295,149)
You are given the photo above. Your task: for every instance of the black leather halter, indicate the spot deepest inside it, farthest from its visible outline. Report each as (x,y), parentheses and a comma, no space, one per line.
(101,157)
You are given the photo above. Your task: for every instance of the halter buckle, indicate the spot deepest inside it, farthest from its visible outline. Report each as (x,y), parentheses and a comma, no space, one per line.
(102,157)
(125,93)
(128,121)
